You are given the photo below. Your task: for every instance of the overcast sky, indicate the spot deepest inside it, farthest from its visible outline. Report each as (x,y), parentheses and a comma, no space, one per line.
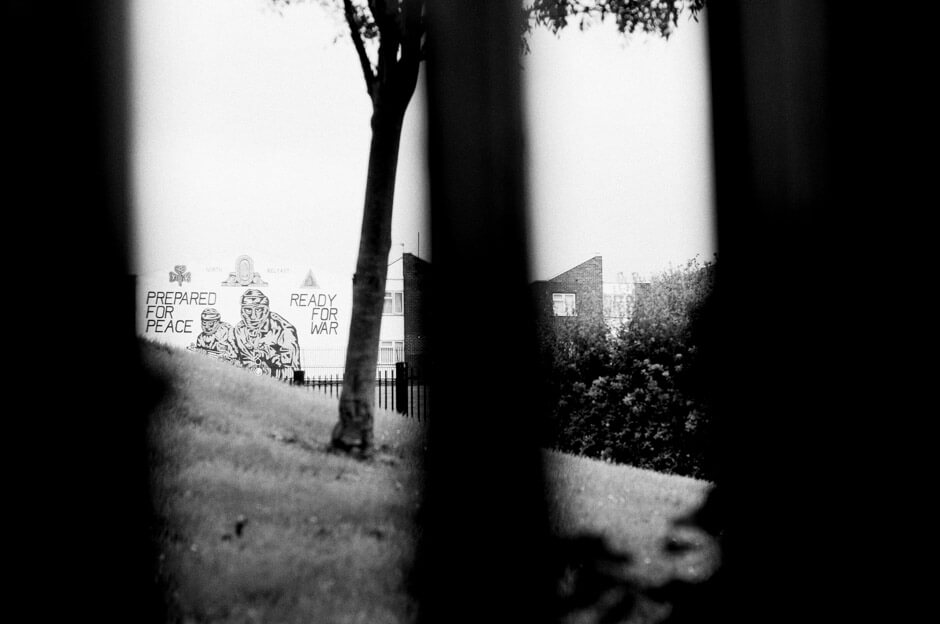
(251,134)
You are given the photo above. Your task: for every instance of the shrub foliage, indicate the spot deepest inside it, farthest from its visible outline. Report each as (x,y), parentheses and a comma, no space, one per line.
(631,394)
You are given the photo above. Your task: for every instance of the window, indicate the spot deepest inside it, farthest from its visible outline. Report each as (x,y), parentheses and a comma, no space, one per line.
(394,303)
(391,351)
(564,304)
(615,306)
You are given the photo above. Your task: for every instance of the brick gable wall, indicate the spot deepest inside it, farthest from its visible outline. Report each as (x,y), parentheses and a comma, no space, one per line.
(585,281)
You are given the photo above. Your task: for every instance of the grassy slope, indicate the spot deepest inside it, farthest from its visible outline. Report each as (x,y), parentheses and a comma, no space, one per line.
(629,506)
(326,538)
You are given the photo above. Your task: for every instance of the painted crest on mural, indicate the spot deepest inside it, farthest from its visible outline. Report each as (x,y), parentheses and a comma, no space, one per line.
(310,281)
(244,274)
(180,274)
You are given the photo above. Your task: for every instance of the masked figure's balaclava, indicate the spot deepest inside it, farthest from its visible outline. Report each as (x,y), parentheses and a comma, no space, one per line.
(210,321)
(255,310)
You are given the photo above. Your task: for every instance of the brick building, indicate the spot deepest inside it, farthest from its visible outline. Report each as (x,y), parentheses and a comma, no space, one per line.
(577,295)
(416,277)
(403,336)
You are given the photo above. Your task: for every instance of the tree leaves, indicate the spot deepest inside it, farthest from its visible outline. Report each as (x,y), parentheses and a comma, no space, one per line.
(649,16)
(628,395)
(368,18)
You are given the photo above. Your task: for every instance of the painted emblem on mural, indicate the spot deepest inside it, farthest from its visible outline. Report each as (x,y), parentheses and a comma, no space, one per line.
(244,274)
(262,341)
(310,281)
(216,339)
(179,274)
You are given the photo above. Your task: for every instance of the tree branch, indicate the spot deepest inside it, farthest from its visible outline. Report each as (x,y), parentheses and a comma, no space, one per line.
(364,61)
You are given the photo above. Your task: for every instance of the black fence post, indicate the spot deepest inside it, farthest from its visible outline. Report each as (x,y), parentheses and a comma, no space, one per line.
(298,377)
(401,387)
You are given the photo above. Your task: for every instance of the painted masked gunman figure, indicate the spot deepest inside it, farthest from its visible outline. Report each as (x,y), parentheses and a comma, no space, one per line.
(216,340)
(265,341)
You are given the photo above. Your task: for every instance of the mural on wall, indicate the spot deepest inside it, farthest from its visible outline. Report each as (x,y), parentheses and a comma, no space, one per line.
(217,338)
(244,274)
(298,317)
(264,340)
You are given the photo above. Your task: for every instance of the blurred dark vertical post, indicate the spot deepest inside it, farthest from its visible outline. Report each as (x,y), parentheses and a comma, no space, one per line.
(798,200)
(401,388)
(484,546)
(81,495)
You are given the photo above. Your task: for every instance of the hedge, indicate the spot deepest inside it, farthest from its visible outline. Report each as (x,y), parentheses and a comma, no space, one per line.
(632,394)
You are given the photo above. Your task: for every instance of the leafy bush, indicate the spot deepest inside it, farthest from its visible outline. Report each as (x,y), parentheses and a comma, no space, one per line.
(631,394)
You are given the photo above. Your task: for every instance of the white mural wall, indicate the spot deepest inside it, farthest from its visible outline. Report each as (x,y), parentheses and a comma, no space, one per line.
(268,318)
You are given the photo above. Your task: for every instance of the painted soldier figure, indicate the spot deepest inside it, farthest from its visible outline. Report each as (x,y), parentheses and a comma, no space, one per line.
(265,341)
(216,339)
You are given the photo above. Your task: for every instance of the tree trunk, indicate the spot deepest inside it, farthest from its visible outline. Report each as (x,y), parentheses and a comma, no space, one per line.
(354,429)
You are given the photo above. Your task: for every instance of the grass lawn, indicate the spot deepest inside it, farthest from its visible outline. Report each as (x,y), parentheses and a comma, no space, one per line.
(258,523)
